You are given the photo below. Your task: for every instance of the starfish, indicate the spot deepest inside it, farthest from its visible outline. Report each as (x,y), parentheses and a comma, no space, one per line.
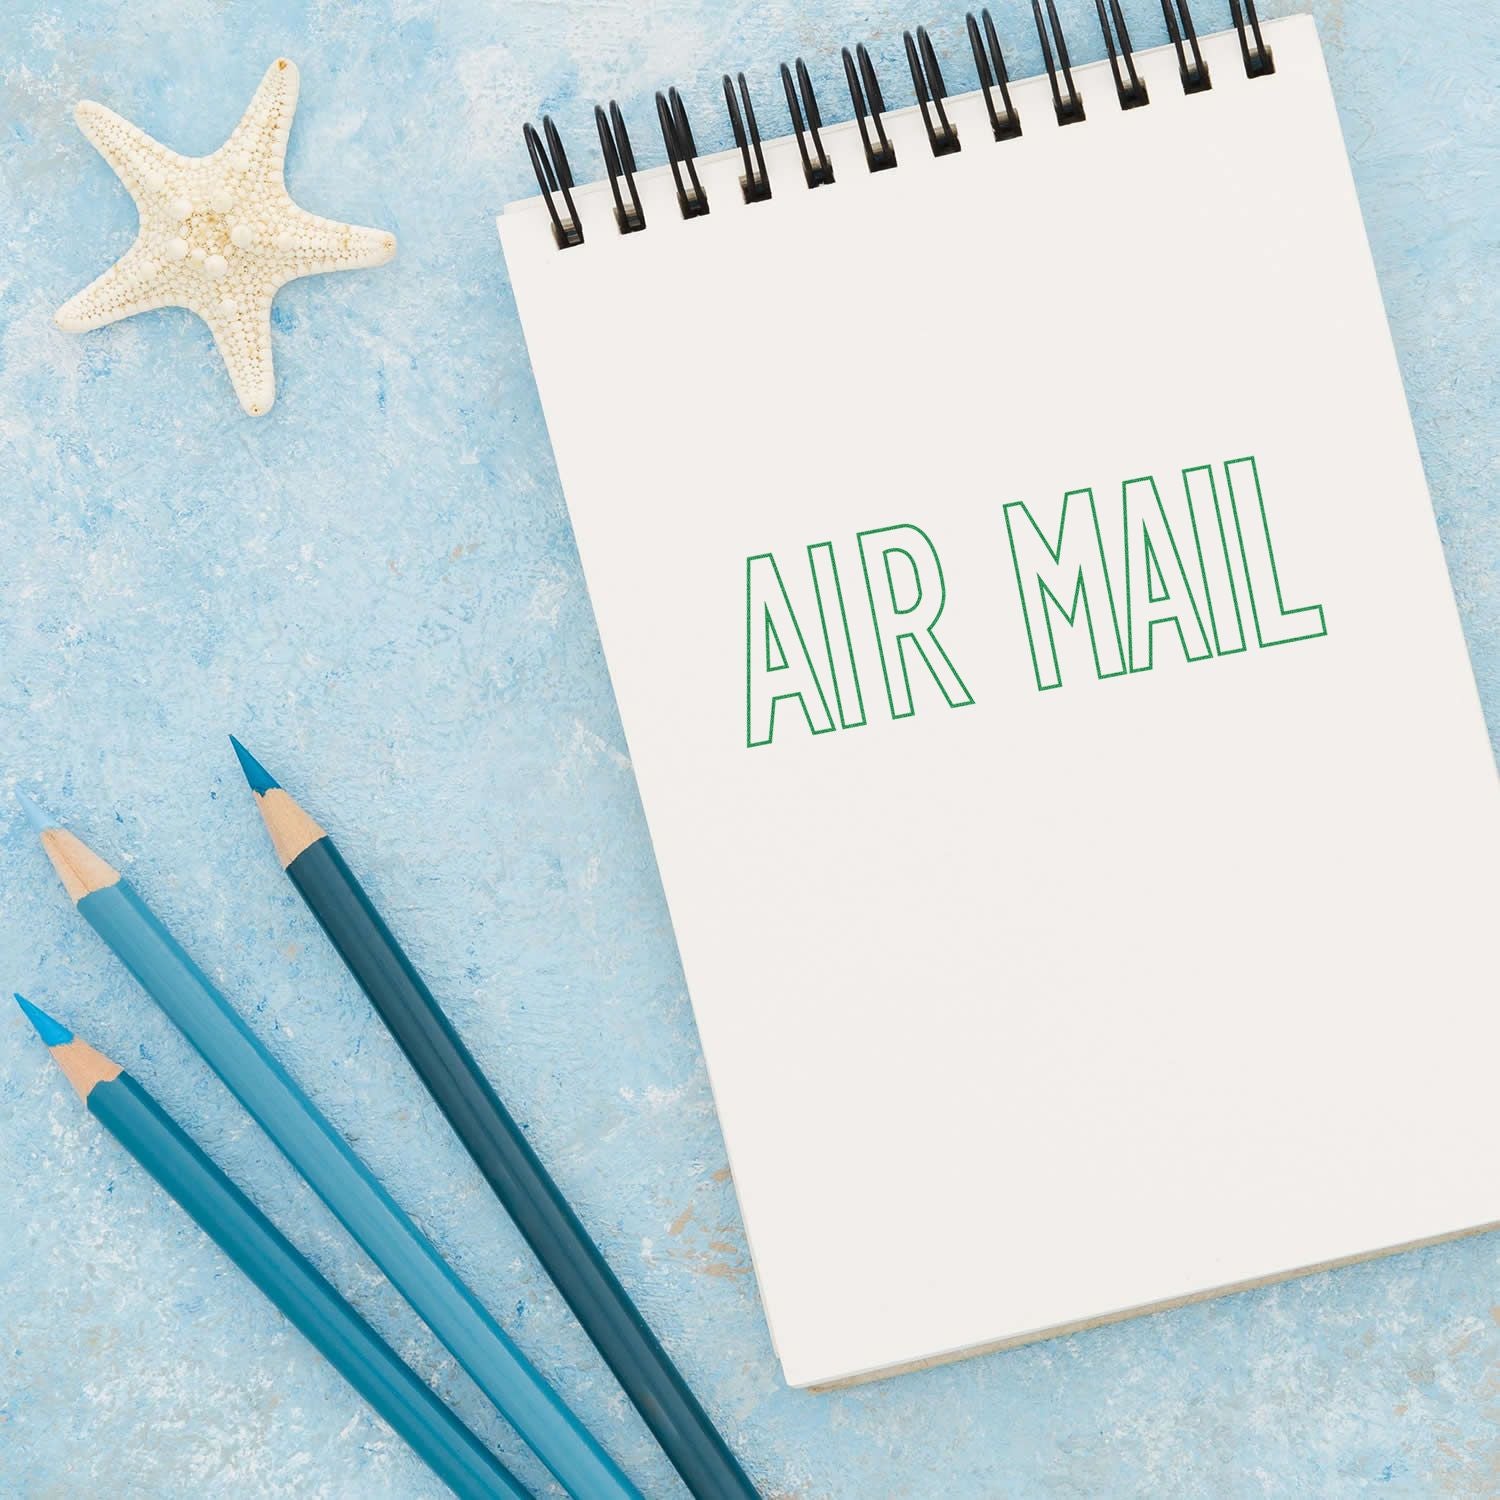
(219,235)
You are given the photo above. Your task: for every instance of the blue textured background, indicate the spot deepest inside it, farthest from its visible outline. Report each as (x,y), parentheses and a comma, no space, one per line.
(377,588)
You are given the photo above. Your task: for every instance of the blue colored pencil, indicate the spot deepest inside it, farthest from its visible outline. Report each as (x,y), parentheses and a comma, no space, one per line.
(264,1254)
(497,1144)
(322,1156)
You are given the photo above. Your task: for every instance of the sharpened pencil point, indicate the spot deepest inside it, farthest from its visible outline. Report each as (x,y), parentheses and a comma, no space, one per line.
(261,781)
(38,817)
(83,1066)
(290,828)
(53,1033)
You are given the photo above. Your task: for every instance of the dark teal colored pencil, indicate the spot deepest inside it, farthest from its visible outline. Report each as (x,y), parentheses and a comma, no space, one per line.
(494,1140)
(269,1259)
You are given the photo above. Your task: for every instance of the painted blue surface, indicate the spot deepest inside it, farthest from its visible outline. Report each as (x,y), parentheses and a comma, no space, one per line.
(382,569)
(53,1033)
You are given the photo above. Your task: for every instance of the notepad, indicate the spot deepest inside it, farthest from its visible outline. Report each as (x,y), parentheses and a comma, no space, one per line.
(1036,653)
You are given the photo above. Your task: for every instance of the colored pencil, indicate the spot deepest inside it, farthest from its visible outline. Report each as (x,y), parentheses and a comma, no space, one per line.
(496,1143)
(118,914)
(265,1255)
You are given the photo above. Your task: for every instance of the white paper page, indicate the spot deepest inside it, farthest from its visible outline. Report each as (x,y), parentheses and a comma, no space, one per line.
(1063,1002)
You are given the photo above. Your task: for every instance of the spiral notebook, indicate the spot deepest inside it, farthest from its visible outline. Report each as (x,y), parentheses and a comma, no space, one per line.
(1032,637)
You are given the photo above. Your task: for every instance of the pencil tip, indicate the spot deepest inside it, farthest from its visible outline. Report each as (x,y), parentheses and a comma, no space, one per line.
(39,819)
(261,781)
(53,1033)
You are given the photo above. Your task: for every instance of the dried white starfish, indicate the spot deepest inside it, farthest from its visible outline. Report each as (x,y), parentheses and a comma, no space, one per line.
(219,234)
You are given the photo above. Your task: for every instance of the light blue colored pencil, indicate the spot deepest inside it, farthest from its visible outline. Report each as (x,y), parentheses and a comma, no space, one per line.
(264,1254)
(114,910)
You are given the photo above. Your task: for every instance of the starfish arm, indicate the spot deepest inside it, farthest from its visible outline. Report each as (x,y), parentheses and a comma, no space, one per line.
(127,288)
(138,160)
(245,345)
(269,114)
(327,245)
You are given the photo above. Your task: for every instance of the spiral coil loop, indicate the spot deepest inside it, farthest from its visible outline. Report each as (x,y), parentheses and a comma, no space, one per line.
(619,160)
(869,106)
(550,163)
(755,184)
(555,177)
(927,80)
(1069,111)
(989,63)
(1195,76)
(1128,85)
(682,153)
(1258,59)
(818,171)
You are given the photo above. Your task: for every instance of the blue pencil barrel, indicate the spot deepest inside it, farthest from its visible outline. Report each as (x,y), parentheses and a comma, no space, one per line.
(351,1191)
(313,1307)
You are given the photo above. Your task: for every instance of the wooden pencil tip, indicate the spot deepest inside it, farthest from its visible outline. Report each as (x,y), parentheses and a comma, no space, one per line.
(291,829)
(261,781)
(52,1032)
(84,1066)
(81,871)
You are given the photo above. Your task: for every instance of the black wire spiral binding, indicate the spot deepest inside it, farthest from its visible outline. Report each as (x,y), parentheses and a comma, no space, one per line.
(755,185)
(555,177)
(1258,59)
(550,163)
(927,80)
(1195,77)
(1069,111)
(864,90)
(987,50)
(682,153)
(614,143)
(1129,87)
(819,172)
